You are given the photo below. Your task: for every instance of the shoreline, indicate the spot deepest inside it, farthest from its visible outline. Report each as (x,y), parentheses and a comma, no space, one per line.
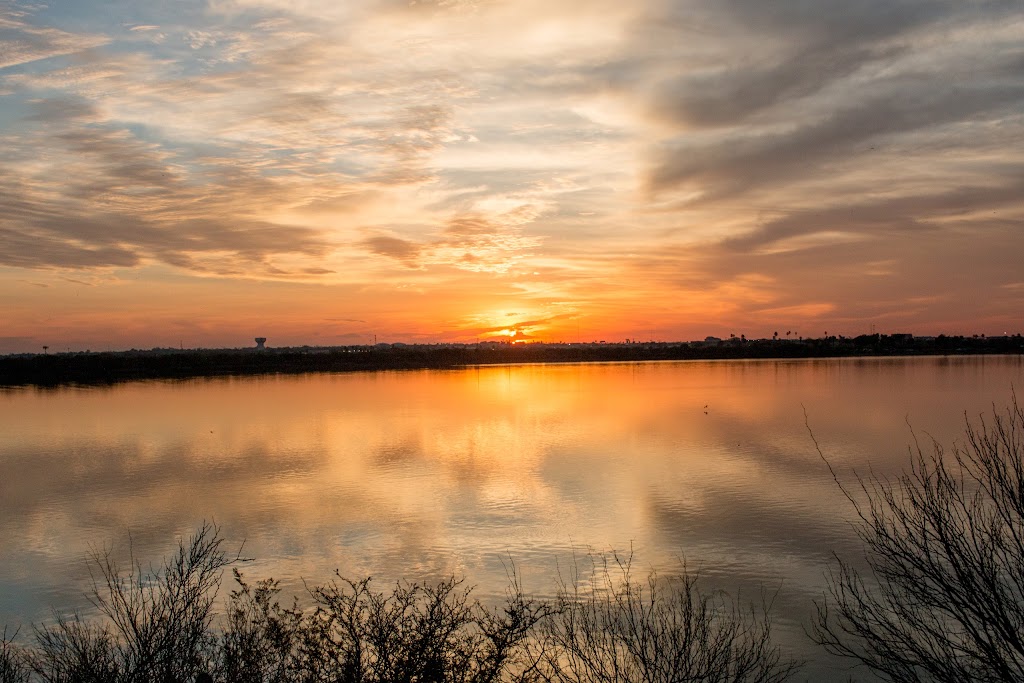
(104,368)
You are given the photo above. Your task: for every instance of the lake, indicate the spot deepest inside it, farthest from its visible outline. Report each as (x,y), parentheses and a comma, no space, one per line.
(422,474)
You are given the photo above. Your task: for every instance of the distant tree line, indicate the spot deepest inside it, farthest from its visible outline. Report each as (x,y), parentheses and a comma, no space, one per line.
(111,367)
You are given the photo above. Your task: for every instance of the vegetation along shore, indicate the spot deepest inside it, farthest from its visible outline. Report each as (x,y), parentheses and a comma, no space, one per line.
(54,369)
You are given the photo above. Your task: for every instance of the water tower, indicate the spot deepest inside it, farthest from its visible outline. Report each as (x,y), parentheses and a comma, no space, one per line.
(260,341)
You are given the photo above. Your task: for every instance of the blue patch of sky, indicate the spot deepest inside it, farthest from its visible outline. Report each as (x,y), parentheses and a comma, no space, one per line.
(348,167)
(115,19)
(143,132)
(491,181)
(16,105)
(36,66)
(112,16)
(13,110)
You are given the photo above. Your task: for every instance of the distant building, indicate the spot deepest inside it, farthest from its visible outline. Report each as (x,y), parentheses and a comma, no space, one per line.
(711,340)
(260,341)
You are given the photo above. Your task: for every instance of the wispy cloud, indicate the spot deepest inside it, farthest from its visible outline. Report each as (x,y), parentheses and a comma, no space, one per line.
(394,247)
(23,43)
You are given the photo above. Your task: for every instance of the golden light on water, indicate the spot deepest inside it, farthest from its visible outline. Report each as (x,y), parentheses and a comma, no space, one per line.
(420,474)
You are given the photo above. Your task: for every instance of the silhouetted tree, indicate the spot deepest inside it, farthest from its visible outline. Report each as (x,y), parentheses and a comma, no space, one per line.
(426,633)
(157,627)
(13,662)
(260,642)
(616,629)
(943,595)
(157,621)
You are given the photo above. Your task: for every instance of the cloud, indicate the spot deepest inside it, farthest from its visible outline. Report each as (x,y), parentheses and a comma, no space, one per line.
(470,242)
(917,214)
(83,283)
(133,155)
(792,49)
(645,160)
(806,310)
(96,196)
(525,327)
(823,44)
(849,134)
(393,247)
(63,110)
(479,244)
(822,87)
(23,43)
(34,250)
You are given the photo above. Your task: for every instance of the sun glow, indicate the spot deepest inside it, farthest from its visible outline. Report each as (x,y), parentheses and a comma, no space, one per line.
(512,335)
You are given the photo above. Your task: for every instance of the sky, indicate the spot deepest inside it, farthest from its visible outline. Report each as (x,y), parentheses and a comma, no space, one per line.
(200,172)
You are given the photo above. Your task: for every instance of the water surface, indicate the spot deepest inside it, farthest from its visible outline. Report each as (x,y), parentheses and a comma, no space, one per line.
(421,474)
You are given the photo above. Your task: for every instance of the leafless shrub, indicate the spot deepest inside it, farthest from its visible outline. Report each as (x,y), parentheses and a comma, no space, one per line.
(260,638)
(157,627)
(13,665)
(156,621)
(75,651)
(433,633)
(943,597)
(614,628)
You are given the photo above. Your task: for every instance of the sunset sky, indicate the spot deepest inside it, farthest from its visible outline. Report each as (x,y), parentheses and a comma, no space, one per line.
(200,172)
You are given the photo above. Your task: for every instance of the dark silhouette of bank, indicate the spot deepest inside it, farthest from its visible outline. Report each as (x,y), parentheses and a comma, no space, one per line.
(101,368)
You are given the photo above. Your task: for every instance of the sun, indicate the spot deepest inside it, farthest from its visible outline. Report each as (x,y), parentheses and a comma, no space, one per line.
(518,336)
(513,335)
(513,326)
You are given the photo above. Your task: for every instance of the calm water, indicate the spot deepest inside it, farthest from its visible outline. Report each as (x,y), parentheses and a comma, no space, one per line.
(421,474)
